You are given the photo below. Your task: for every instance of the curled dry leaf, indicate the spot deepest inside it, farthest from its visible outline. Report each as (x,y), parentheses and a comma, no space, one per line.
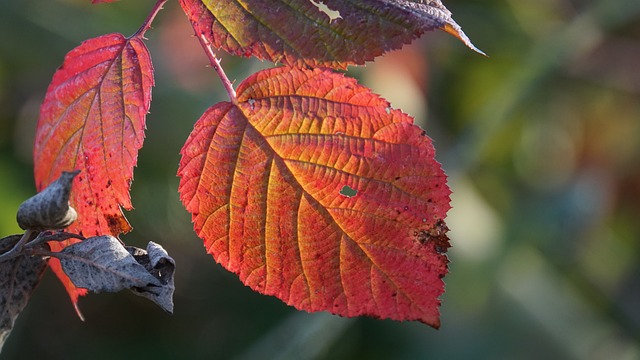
(158,263)
(49,209)
(19,277)
(101,263)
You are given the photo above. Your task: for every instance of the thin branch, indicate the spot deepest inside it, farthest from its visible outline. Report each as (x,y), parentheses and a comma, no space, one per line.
(53,236)
(16,250)
(147,22)
(44,253)
(215,63)
(29,241)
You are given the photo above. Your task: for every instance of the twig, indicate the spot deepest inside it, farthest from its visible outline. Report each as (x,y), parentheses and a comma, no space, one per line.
(53,236)
(26,246)
(16,250)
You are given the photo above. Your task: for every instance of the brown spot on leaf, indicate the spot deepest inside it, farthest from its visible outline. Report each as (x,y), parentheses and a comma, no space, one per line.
(436,236)
(117,224)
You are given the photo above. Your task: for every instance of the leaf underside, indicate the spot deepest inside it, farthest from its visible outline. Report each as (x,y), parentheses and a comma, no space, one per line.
(18,279)
(299,33)
(264,181)
(158,263)
(102,264)
(93,119)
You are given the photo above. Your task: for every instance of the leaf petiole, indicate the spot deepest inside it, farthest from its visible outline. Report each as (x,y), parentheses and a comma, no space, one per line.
(32,238)
(53,236)
(215,63)
(147,22)
(16,250)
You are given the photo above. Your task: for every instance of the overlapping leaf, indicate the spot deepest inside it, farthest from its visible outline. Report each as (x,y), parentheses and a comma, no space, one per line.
(101,263)
(93,119)
(332,33)
(313,189)
(19,277)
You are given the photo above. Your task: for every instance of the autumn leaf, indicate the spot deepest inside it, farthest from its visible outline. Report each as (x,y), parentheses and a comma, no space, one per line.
(332,33)
(314,190)
(93,119)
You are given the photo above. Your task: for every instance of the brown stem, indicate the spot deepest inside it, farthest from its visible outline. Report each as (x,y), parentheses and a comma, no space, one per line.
(147,22)
(18,247)
(215,64)
(54,236)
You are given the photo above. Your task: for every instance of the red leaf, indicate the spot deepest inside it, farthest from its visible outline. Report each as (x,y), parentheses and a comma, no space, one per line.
(56,267)
(305,32)
(313,190)
(93,119)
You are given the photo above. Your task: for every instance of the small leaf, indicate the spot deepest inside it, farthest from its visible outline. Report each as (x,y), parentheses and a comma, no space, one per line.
(19,277)
(101,264)
(314,190)
(328,33)
(93,119)
(159,264)
(49,209)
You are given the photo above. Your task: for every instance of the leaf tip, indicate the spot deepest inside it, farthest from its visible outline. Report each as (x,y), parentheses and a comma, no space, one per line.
(77,309)
(455,30)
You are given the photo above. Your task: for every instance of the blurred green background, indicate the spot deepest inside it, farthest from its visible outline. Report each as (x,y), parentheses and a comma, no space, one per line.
(541,142)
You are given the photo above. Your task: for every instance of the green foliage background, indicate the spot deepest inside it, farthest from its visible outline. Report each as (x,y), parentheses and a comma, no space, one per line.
(541,142)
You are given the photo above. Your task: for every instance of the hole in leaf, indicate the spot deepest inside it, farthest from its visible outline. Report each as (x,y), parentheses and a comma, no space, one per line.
(348,191)
(332,14)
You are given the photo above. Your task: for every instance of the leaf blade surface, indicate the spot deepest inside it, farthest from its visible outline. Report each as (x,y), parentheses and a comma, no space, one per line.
(263,181)
(300,33)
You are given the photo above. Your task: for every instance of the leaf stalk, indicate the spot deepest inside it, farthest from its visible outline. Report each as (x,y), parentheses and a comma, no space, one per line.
(215,64)
(147,22)
(16,250)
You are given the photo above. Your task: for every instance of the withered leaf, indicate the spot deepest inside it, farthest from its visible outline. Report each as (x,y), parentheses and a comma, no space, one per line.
(102,264)
(19,277)
(49,209)
(158,263)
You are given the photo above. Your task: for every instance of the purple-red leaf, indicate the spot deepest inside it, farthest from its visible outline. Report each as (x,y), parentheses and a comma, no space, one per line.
(333,33)
(314,190)
(93,119)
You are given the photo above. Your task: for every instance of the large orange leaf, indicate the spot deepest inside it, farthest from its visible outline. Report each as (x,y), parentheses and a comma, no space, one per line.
(93,119)
(314,190)
(331,33)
